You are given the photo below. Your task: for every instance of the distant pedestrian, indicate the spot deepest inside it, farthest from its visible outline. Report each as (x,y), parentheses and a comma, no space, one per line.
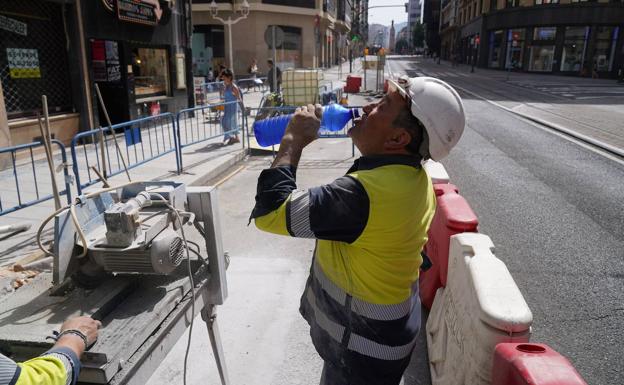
(229,122)
(273,69)
(252,70)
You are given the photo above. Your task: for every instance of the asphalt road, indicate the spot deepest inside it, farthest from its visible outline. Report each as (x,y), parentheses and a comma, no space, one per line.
(554,211)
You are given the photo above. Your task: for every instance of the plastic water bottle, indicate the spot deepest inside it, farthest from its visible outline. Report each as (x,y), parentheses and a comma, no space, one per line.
(270,131)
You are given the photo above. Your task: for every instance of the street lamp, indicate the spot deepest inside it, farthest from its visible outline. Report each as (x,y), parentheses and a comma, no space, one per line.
(214,11)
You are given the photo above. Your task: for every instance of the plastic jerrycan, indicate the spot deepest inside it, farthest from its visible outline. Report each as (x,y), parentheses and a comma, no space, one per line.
(270,131)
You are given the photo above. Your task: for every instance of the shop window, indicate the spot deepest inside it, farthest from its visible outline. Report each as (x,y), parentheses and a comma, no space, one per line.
(541,2)
(574,47)
(33,58)
(496,45)
(512,3)
(541,58)
(515,48)
(150,67)
(545,33)
(606,39)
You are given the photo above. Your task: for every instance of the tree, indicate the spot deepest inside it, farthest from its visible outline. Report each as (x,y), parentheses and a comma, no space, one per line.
(418,35)
(401,46)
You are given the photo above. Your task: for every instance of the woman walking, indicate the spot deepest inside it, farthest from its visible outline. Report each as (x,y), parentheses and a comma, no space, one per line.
(229,122)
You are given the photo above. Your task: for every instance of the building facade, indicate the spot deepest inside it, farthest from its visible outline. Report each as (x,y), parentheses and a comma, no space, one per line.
(431,20)
(566,37)
(315,34)
(136,51)
(414,16)
(359,27)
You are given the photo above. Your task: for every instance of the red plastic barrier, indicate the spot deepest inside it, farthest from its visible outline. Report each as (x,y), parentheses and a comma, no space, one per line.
(353,84)
(453,216)
(535,364)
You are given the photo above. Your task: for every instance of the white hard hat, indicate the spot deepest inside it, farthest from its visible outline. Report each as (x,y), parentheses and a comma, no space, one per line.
(438,107)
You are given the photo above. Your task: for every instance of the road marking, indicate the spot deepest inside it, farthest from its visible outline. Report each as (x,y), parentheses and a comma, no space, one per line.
(596,146)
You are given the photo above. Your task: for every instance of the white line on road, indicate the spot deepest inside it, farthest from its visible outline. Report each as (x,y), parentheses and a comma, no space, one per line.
(584,141)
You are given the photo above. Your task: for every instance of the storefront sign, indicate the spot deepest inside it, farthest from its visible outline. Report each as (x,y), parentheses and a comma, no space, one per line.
(23,63)
(13,25)
(139,11)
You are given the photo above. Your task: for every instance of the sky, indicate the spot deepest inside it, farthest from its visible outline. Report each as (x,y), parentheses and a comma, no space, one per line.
(385,16)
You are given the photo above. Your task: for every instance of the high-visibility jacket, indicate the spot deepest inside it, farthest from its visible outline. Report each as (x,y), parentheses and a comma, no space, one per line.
(58,366)
(361,298)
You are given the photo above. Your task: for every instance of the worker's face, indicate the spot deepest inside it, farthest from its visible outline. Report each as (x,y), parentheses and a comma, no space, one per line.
(373,133)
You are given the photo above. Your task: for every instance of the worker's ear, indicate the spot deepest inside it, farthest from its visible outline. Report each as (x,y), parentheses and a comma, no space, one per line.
(397,140)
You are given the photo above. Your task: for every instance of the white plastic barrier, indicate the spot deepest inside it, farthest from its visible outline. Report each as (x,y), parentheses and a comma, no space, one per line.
(480,307)
(436,171)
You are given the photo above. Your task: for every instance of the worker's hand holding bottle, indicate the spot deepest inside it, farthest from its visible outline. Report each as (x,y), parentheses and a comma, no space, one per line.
(304,125)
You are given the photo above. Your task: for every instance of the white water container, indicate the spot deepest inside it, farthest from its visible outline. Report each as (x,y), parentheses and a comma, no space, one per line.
(436,171)
(300,87)
(480,307)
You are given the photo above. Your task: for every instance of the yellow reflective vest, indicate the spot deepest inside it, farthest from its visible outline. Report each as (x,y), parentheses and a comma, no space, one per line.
(361,299)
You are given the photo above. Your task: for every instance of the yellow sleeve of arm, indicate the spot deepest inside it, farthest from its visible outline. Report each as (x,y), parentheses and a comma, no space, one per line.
(46,370)
(275,221)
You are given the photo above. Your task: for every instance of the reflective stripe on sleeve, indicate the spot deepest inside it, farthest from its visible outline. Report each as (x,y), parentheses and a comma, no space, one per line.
(8,370)
(300,214)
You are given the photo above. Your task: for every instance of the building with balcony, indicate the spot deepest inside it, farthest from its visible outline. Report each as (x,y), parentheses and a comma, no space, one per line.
(314,34)
(566,37)
(359,26)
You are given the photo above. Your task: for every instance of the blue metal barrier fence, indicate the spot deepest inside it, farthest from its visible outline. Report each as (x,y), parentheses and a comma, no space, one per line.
(143,140)
(27,181)
(199,124)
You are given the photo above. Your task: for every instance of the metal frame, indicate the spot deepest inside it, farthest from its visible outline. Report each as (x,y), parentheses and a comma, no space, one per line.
(12,151)
(194,124)
(150,128)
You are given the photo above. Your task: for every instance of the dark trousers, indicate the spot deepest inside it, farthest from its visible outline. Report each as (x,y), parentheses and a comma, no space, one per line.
(332,375)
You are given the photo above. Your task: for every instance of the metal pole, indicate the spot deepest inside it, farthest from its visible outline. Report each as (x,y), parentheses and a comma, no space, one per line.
(274,60)
(47,143)
(472,57)
(365,86)
(229,28)
(340,58)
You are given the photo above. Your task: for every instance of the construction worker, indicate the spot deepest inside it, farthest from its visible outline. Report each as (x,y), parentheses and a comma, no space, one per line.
(361,298)
(59,365)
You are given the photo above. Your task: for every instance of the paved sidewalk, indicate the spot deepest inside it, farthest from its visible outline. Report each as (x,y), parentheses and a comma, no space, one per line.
(591,108)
